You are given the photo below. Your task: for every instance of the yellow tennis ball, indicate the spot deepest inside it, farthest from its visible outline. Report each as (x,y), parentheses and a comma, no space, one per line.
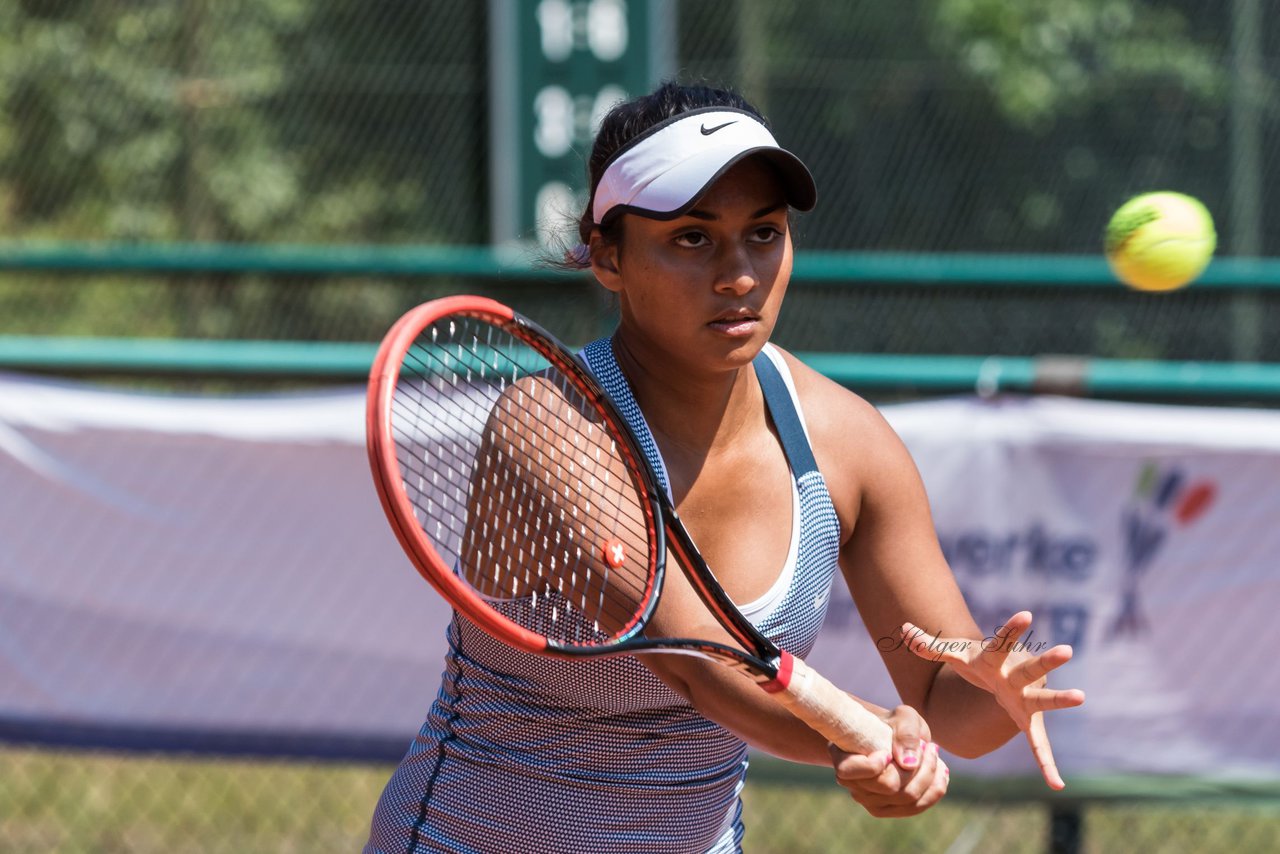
(1160,241)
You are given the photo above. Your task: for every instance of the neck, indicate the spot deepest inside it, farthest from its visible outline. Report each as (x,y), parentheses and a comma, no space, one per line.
(689,413)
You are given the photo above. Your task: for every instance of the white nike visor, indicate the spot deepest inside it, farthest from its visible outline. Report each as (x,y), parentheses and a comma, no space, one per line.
(663,172)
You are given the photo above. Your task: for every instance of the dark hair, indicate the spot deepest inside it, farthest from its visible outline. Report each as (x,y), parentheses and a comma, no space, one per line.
(628,120)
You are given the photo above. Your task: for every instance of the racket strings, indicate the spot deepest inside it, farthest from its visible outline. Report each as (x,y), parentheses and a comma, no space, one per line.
(516,478)
(454,461)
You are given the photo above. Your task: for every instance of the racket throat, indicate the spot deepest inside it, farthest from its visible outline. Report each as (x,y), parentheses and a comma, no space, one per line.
(770,672)
(783,666)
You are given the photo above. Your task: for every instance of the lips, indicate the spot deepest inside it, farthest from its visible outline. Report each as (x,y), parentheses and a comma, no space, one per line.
(736,322)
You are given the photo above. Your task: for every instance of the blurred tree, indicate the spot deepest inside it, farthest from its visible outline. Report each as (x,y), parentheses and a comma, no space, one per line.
(237,120)
(1043,57)
(142,120)
(384,104)
(982,125)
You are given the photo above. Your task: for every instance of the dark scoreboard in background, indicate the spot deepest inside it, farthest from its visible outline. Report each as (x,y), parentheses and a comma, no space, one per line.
(556,66)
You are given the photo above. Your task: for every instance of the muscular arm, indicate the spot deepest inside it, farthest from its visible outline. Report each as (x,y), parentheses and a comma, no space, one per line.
(897,573)
(894,565)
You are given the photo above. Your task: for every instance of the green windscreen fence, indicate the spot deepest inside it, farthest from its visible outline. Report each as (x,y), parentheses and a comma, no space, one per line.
(949,127)
(930,125)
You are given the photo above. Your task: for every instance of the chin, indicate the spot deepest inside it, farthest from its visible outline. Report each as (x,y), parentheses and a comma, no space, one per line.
(740,353)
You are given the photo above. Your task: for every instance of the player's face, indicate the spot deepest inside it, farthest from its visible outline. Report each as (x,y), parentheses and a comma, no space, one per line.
(706,288)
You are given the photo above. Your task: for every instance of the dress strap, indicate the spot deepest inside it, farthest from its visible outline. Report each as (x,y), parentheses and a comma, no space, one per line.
(782,408)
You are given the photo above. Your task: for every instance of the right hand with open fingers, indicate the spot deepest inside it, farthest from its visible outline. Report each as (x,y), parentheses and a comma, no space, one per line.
(1014,677)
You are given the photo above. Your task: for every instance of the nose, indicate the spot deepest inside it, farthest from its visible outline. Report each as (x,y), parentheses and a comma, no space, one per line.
(735,272)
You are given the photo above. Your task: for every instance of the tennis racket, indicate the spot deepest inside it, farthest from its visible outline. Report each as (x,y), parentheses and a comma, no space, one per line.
(519,492)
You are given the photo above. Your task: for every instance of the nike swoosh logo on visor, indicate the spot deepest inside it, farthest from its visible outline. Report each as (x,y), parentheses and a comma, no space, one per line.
(706,131)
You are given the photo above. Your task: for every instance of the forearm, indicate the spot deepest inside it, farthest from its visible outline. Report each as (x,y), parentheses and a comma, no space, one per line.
(734,702)
(963,718)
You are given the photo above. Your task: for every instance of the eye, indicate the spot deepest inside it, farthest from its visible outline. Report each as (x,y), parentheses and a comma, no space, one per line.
(765,234)
(692,239)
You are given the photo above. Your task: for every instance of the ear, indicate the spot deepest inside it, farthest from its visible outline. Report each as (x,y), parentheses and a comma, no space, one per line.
(604,262)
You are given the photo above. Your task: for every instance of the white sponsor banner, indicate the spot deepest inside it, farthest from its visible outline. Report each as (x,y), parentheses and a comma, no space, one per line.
(216,573)
(1144,536)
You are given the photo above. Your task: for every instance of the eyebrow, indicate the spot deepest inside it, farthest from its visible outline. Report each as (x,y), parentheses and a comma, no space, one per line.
(765,211)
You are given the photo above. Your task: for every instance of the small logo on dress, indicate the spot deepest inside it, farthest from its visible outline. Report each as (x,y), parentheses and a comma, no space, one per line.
(821,599)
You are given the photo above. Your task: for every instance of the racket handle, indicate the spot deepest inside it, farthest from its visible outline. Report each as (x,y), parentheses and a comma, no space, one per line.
(842,720)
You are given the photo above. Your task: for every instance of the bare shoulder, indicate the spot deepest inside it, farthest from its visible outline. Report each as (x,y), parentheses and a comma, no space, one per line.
(836,416)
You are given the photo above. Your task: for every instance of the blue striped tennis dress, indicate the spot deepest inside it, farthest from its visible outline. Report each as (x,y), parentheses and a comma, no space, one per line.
(524,753)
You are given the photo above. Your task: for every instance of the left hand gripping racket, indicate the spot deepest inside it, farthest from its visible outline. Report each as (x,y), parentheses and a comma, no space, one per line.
(519,492)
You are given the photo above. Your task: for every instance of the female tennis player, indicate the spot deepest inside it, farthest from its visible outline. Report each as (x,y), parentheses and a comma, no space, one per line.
(689,225)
